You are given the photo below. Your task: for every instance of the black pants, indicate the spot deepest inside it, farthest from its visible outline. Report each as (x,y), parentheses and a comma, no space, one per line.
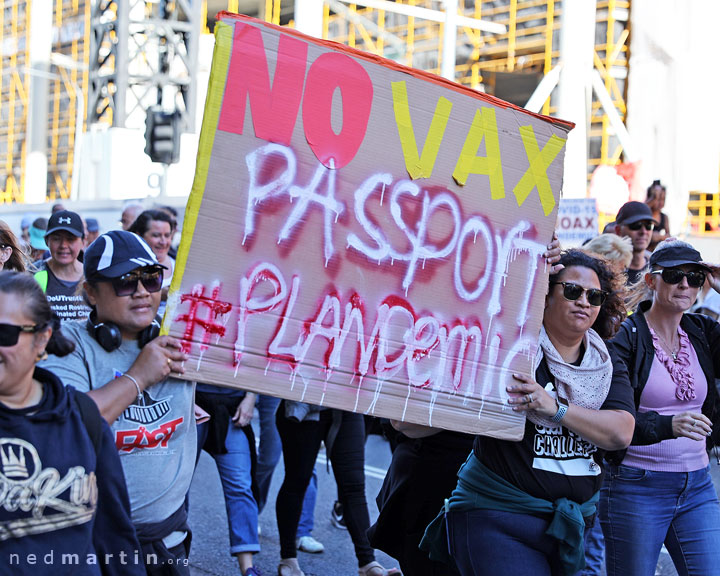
(301,442)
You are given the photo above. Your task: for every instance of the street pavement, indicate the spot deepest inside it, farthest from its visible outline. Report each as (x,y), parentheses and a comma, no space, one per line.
(208,520)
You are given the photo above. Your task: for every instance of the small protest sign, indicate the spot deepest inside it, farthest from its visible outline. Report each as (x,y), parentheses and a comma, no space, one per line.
(363,236)
(577,221)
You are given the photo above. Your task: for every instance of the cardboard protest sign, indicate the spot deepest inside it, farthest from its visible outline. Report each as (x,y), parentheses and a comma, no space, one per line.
(363,236)
(577,221)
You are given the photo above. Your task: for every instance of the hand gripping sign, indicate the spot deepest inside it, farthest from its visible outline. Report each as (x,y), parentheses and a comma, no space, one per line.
(363,236)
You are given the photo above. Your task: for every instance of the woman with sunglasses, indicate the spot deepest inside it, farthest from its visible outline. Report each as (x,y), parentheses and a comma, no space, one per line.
(61,485)
(522,507)
(659,491)
(127,369)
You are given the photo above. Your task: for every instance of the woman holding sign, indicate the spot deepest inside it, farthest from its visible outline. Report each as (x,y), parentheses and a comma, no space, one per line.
(522,507)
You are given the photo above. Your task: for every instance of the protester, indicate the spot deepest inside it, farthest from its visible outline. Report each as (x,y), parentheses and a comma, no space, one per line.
(410,496)
(619,251)
(61,275)
(11,256)
(38,249)
(635,220)
(57,207)
(131,210)
(423,472)
(63,489)
(156,228)
(174,238)
(228,437)
(92,227)
(660,490)
(656,201)
(302,428)
(25,224)
(521,507)
(128,370)
(268,455)
(710,306)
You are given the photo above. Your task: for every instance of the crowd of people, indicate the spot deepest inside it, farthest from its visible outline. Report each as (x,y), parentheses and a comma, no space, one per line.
(621,411)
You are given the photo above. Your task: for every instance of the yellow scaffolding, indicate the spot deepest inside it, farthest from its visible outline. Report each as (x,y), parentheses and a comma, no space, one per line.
(704,213)
(529,45)
(71,37)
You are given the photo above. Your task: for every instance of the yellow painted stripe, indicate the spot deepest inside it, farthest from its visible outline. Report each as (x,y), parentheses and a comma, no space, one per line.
(211,114)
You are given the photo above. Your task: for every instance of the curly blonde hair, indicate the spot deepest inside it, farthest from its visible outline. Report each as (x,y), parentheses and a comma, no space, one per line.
(617,249)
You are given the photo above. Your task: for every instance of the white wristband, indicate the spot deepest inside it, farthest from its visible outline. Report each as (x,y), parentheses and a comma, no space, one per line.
(560,414)
(140,399)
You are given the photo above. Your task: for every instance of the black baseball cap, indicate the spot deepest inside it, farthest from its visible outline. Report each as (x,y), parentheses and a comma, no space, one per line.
(68,221)
(116,253)
(676,254)
(632,212)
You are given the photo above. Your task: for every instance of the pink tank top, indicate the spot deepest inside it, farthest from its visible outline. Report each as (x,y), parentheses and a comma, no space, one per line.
(661,395)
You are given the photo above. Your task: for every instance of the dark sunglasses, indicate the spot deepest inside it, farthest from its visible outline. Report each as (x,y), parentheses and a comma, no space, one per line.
(572,292)
(635,226)
(695,279)
(9,333)
(126,285)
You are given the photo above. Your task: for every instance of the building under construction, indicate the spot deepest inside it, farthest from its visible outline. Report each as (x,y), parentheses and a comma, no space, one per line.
(97,65)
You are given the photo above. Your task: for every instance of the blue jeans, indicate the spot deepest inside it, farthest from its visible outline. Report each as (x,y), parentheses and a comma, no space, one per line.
(269,448)
(234,469)
(641,509)
(594,551)
(492,542)
(269,451)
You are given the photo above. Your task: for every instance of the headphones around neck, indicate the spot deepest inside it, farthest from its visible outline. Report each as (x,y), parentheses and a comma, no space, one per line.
(108,334)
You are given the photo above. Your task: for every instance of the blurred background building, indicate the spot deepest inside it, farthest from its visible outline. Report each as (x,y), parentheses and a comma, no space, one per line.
(77,78)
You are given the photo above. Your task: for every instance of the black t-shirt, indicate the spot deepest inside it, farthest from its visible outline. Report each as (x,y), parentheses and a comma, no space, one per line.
(633,275)
(552,463)
(65,298)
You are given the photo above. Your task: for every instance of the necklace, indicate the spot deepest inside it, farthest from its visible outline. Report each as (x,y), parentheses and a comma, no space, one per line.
(672,349)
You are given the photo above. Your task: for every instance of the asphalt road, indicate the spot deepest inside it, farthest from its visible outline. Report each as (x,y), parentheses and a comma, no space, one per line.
(208,520)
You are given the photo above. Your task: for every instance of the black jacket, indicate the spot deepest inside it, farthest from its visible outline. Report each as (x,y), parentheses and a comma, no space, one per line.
(633,344)
(61,497)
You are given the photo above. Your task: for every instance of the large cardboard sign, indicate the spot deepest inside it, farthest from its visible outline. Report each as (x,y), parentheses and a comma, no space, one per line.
(363,236)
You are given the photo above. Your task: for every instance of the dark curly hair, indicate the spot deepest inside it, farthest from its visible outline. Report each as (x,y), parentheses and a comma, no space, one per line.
(612,311)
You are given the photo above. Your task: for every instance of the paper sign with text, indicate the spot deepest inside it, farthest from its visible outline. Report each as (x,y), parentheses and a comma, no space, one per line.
(577,221)
(363,236)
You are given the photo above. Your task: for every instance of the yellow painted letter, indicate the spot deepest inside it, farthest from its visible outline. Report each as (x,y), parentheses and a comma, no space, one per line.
(419,166)
(536,174)
(484,126)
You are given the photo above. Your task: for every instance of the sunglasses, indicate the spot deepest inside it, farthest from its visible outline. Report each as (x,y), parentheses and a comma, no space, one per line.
(635,226)
(695,279)
(9,333)
(572,292)
(126,285)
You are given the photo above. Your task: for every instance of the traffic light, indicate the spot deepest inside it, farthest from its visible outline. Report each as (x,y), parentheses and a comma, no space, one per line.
(162,135)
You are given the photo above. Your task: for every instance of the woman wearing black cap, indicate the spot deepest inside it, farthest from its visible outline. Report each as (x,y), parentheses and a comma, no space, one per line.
(659,490)
(61,275)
